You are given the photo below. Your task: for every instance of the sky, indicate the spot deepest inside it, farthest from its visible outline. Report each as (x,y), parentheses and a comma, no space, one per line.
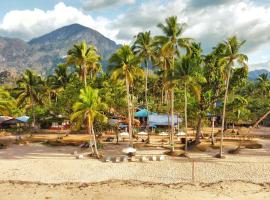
(207,21)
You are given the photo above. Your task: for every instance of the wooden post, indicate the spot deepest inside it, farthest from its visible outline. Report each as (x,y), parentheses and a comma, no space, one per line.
(193,171)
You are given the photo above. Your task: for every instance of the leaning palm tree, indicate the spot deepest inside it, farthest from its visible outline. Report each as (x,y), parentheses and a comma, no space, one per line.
(29,89)
(173,41)
(85,58)
(125,65)
(143,47)
(231,56)
(89,109)
(7,103)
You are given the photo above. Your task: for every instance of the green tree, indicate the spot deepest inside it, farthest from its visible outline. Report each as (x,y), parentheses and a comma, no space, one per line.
(29,89)
(7,103)
(189,74)
(125,65)
(143,47)
(264,84)
(169,47)
(86,59)
(89,109)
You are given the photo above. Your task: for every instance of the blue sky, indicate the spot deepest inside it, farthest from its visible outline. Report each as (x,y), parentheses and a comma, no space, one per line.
(208,21)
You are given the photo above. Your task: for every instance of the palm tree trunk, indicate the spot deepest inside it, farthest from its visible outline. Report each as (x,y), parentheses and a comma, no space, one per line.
(186,125)
(90,133)
(146,99)
(32,108)
(95,142)
(198,131)
(172,119)
(146,85)
(129,115)
(84,75)
(212,132)
(224,112)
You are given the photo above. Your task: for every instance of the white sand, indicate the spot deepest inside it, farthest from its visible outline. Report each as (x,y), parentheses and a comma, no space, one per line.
(38,163)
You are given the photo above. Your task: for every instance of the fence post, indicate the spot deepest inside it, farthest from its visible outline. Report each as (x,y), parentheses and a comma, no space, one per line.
(193,171)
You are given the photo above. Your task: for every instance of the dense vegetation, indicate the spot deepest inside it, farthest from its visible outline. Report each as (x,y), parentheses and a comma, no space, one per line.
(166,73)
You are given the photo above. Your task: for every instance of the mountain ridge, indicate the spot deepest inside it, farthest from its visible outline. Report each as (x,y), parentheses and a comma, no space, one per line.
(43,53)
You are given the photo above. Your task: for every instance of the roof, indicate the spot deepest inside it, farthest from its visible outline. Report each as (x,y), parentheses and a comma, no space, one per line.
(23,119)
(141,113)
(162,120)
(11,121)
(4,118)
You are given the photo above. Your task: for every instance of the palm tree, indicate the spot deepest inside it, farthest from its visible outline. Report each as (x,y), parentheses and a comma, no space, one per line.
(263,83)
(187,71)
(88,109)
(58,81)
(7,103)
(28,90)
(125,65)
(143,47)
(61,77)
(85,58)
(231,56)
(171,42)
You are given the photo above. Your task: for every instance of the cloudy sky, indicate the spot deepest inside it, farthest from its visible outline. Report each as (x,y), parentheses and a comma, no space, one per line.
(208,21)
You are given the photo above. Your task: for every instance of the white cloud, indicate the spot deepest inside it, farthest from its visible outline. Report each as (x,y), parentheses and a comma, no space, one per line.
(97,4)
(27,24)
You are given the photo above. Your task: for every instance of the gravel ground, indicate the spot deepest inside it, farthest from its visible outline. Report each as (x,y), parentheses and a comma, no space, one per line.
(38,163)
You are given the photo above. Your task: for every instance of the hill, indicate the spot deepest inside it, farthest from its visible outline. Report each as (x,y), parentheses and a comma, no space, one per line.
(45,52)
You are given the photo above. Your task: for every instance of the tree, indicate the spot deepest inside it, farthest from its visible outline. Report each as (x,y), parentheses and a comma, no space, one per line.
(188,72)
(61,77)
(264,84)
(231,55)
(170,45)
(86,59)
(29,88)
(143,47)
(89,109)
(7,103)
(125,65)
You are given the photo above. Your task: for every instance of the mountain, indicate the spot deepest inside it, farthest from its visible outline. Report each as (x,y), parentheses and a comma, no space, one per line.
(45,52)
(253,75)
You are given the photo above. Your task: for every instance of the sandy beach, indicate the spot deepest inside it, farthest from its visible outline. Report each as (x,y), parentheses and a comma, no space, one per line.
(42,172)
(133,190)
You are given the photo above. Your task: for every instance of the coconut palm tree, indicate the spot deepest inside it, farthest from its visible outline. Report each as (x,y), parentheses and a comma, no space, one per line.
(263,83)
(85,58)
(29,88)
(125,65)
(89,109)
(7,103)
(144,48)
(188,73)
(231,56)
(170,44)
